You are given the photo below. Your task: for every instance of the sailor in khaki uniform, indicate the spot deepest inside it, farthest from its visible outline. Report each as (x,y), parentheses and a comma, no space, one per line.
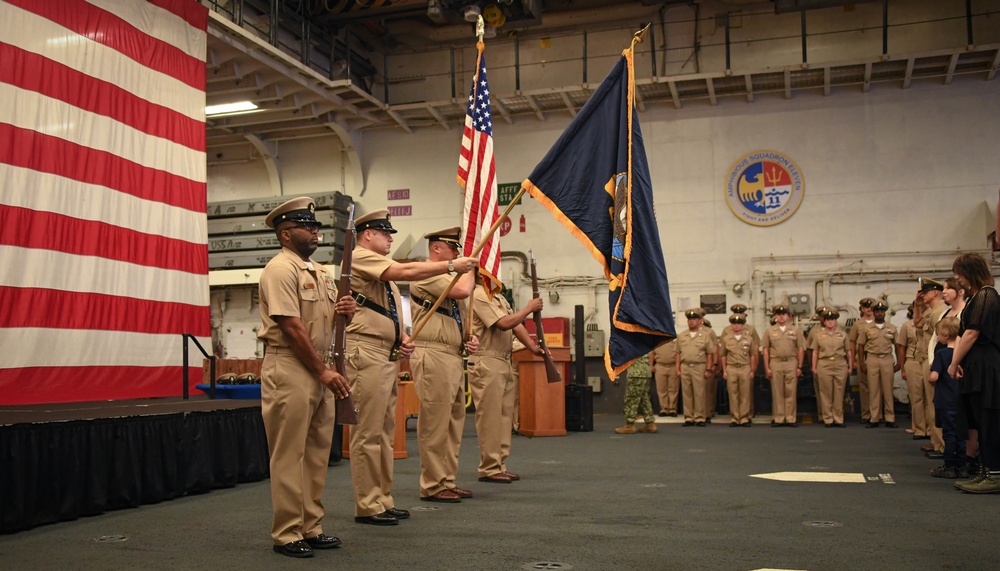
(741,310)
(738,355)
(298,299)
(820,311)
(911,357)
(878,340)
(491,378)
(668,384)
(865,307)
(695,352)
(375,340)
(438,370)
(712,380)
(928,309)
(831,363)
(783,353)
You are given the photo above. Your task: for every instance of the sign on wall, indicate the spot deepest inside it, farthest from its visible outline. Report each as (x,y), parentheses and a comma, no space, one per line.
(506,192)
(764,188)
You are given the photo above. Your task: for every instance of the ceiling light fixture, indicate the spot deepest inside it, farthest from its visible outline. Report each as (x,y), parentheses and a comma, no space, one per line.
(472,13)
(238,107)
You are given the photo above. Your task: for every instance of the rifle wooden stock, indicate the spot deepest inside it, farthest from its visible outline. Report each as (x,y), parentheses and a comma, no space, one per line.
(347,412)
(551,372)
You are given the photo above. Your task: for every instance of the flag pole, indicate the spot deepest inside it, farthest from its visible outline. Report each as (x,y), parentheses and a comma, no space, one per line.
(475,253)
(480,46)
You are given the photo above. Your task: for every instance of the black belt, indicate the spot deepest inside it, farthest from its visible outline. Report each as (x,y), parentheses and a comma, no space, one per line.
(427,305)
(391,313)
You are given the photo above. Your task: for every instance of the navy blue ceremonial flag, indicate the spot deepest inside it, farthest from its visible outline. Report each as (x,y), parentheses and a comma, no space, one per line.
(595,181)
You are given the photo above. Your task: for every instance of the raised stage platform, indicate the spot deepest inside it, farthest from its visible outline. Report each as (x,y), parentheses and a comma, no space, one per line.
(62,461)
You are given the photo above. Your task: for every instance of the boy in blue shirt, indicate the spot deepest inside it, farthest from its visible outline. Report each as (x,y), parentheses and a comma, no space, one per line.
(946,401)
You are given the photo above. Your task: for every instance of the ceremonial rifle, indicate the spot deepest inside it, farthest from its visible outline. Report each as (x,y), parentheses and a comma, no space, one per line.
(551,373)
(347,412)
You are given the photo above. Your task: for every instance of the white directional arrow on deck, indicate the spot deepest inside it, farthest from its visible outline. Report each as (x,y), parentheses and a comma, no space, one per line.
(831,477)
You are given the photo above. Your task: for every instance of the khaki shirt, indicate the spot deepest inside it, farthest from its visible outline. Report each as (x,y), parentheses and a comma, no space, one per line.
(830,346)
(747,330)
(440,328)
(666,357)
(852,336)
(912,341)
(737,352)
(695,349)
(289,288)
(932,315)
(782,344)
(367,268)
(878,340)
(486,313)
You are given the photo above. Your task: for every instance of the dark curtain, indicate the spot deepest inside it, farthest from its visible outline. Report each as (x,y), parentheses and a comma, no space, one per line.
(60,471)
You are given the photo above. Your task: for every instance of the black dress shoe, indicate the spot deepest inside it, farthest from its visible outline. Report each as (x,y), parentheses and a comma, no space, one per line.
(871,425)
(934,455)
(323,541)
(699,424)
(294,549)
(398,514)
(662,413)
(792,424)
(776,424)
(688,423)
(890,425)
(673,414)
(733,424)
(378,519)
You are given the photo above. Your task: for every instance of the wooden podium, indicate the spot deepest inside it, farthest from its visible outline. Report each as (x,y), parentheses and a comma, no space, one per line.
(542,404)
(399,436)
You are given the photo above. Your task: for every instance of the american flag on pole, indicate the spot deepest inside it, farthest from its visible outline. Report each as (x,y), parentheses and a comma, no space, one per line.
(102,197)
(477,175)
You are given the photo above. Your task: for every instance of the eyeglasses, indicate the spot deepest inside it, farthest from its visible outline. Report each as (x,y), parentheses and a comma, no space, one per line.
(309,227)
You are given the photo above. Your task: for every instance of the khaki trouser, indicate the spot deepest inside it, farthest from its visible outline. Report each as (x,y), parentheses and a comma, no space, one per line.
(937,439)
(298,414)
(915,389)
(438,381)
(373,385)
(784,389)
(711,395)
(880,377)
(831,378)
(668,384)
(693,391)
(492,383)
(509,414)
(739,385)
(863,396)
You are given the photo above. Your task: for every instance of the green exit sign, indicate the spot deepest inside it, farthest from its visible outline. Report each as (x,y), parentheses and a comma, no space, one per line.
(506,193)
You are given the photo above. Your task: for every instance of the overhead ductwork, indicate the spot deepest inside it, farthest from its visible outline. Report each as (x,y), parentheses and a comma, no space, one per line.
(784,6)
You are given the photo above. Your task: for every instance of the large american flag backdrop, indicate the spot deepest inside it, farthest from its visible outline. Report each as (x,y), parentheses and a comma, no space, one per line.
(102,197)
(477,175)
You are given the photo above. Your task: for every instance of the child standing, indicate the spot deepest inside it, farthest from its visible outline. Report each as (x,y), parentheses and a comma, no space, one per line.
(946,401)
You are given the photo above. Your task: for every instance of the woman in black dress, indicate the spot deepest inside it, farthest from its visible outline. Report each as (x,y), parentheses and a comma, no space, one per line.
(976,364)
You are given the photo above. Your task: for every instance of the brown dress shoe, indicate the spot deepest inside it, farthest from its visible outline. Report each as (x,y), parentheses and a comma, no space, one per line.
(927,448)
(461,492)
(512,476)
(445,496)
(498,478)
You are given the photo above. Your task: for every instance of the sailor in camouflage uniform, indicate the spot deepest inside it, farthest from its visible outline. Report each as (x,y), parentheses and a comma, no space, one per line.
(637,397)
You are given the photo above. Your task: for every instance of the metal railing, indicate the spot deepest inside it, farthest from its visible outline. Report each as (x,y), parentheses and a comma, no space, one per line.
(211,364)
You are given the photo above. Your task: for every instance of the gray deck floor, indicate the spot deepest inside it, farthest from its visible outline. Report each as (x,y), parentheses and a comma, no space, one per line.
(679,499)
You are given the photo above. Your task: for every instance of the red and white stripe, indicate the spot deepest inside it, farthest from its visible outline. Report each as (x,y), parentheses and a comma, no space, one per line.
(103,231)
(477,175)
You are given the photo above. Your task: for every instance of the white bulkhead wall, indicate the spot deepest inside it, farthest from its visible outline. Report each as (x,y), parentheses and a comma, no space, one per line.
(896,181)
